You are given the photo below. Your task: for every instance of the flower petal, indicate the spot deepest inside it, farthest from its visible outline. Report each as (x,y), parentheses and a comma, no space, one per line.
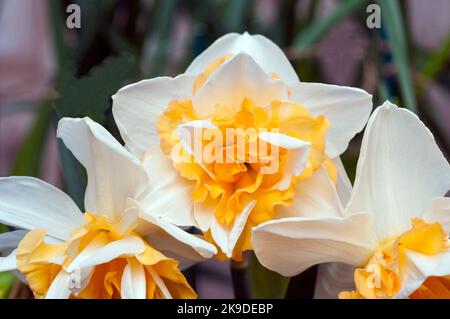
(292,245)
(266,53)
(129,246)
(133,284)
(29,203)
(59,289)
(343,185)
(136,108)
(347,110)
(170,195)
(160,283)
(241,77)
(176,243)
(114,174)
(227,237)
(400,168)
(297,156)
(97,243)
(439,211)
(419,267)
(314,197)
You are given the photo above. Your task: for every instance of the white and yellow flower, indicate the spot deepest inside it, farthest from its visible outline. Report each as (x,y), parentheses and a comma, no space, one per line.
(395,228)
(117,249)
(244,82)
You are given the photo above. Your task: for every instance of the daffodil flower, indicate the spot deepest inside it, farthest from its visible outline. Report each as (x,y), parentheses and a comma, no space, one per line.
(395,227)
(118,248)
(243,83)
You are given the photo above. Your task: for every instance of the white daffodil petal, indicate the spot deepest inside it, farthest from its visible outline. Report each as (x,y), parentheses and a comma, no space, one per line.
(175,242)
(190,135)
(266,53)
(204,215)
(136,108)
(419,267)
(292,245)
(114,174)
(400,168)
(439,211)
(347,110)
(220,235)
(170,195)
(30,203)
(343,185)
(9,262)
(88,252)
(296,158)
(238,226)
(227,237)
(59,289)
(160,283)
(241,77)
(129,246)
(133,285)
(314,197)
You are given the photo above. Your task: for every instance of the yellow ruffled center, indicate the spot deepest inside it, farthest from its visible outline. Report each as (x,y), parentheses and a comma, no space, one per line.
(380,278)
(240,175)
(41,262)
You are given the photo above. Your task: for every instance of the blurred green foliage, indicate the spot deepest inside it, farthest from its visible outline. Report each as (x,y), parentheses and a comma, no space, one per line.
(90,95)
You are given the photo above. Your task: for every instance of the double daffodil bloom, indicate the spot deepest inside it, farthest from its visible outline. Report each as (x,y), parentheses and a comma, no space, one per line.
(395,227)
(117,249)
(242,84)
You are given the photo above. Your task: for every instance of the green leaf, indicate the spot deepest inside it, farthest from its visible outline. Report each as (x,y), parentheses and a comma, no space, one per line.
(393,23)
(266,283)
(28,159)
(90,95)
(436,62)
(322,25)
(7,280)
(163,23)
(3,228)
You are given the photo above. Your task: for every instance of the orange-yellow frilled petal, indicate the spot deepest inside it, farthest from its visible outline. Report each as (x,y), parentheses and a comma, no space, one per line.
(237,173)
(37,261)
(433,288)
(380,278)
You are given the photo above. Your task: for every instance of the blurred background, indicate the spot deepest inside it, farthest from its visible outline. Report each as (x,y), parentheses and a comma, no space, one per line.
(48,71)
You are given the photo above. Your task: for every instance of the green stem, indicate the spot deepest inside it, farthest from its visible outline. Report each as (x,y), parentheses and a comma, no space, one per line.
(240,279)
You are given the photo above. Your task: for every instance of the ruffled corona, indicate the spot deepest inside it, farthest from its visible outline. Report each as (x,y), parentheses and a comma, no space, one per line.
(245,168)
(42,263)
(381,277)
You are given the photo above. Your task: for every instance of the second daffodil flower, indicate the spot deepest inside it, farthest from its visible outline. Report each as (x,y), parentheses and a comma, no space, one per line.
(240,91)
(117,249)
(395,227)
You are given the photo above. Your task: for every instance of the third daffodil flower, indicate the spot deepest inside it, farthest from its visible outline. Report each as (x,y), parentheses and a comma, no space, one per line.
(271,140)
(395,227)
(117,249)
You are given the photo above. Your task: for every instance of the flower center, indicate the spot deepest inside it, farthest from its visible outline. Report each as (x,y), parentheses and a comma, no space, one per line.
(380,278)
(234,166)
(97,262)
